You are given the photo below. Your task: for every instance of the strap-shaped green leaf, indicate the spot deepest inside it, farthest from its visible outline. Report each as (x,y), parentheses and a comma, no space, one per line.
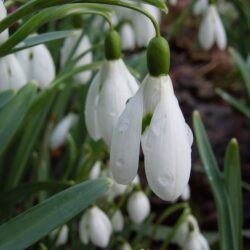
(13,113)
(232,173)
(225,220)
(35,223)
(5,97)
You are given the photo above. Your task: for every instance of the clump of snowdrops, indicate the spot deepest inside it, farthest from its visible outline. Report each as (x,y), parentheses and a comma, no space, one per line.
(77,116)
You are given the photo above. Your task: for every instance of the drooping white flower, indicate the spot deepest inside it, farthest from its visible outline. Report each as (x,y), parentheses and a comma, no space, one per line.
(38,65)
(3,13)
(95,227)
(83,45)
(186,193)
(12,75)
(117,221)
(125,246)
(166,139)
(200,7)
(144,29)
(61,234)
(138,207)
(61,131)
(95,171)
(128,37)
(212,30)
(196,241)
(107,97)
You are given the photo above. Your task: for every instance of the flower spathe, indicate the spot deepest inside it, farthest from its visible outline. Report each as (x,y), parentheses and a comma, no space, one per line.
(212,30)
(107,97)
(11,72)
(96,227)
(166,142)
(38,65)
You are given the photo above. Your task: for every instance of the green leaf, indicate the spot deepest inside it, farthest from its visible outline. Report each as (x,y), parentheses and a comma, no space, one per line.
(11,116)
(244,70)
(157,3)
(225,216)
(35,223)
(5,97)
(234,102)
(232,173)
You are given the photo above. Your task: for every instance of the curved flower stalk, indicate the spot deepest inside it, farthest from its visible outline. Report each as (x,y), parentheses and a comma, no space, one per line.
(200,7)
(11,72)
(212,30)
(3,13)
(138,207)
(108,93)
(95,227)
(83,46)
(61,131)
(38,65)
(117,221)
(188,235)
(166,141)
(61,235)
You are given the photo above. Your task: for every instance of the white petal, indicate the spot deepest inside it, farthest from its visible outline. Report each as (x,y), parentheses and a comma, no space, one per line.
(125,148)
(117,221)
(186,193)
(125,246)
(95,171)
(196,241)
(166,147)
(138,207)
(200,6)
(127,37)
(83,228)
(220,34)
(206,33)
(37,63)
(100,227)
(63,236)
(61,131)
(117,86)
(3,13)
(90,112)
(12,75)
(84,45)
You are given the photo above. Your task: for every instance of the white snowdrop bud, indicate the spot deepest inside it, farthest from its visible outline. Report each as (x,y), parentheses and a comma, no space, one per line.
(125,246)
(117,221)
(212,30)
(186,193)
(128,37)
(12,75)
(200,7)
(61,131)
(95,171)
(61,235)
(196,241)
(96,227)
(145,34)
(83,45)
(3,13)
(138,207)
(38,65)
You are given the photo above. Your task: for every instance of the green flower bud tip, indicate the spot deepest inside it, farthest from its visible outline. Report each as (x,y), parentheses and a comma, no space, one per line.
(113,46)
(158,57)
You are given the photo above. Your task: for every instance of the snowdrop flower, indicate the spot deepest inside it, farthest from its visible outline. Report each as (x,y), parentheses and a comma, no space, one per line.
(125,246)
(166,141)
(200,7)
(138,207)
(128,37)
(61,131)
(84,45)
(61,235)
(144,30)
(3,13)
(95,171)
(212,30)
(12,75)
(109,92)
(117,221)
(96,227)
(186,193)
(37,63)
(196,241)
